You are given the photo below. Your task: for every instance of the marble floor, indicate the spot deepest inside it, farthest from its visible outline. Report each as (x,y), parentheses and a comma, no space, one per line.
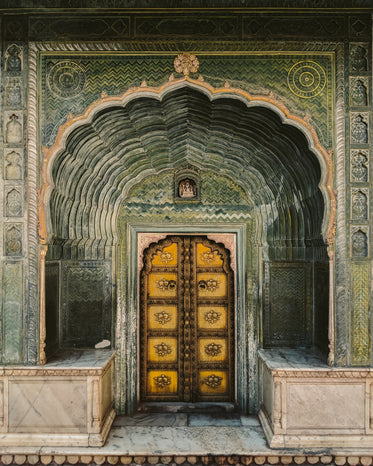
(178,435)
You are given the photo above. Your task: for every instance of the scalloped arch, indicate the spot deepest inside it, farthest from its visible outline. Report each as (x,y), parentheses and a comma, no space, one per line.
(119,140)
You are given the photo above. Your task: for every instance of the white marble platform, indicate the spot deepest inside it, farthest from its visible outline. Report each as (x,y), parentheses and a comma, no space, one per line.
(305,403)
(68,401)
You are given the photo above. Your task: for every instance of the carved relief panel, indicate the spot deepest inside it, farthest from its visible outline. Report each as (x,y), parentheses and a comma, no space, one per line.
(359,241)
(359,91)
(359,166)
(13,127)
(187,322)
(359,203)
(359,128)
(13,202)
(13,239)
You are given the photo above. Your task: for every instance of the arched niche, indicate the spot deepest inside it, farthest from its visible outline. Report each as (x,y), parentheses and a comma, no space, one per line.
(122,143)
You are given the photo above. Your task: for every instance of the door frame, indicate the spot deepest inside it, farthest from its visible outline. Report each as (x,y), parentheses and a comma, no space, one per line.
(128,319)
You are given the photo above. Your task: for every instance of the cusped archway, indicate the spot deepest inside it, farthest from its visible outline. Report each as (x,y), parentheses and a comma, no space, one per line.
(121,142)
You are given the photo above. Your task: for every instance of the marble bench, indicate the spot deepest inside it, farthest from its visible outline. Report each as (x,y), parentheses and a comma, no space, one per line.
(307,404)
(68,401)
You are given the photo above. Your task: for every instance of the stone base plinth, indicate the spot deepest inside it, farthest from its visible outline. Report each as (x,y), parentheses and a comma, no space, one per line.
(69,401)
(305,403)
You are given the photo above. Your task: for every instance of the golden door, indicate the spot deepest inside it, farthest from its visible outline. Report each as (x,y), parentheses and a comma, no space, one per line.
(187,321)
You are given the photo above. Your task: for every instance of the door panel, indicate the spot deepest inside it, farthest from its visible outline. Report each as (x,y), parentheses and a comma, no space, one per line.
(187,322)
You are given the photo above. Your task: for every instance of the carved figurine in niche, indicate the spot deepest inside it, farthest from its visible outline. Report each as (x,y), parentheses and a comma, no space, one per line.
(13,242)
(13,130)
(13,169)
(13,204)
(359,244)
(187,189)
(13,62)
(359,167)
(360,206)
(359,94)
(359,61)
(359,131)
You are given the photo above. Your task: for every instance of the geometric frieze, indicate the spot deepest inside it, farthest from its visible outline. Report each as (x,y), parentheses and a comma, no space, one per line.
(13,233)
(13,165)
(359,166)
(359,91)
(358,58)
(359,241)
(359,127)
(359,203)
(13,122)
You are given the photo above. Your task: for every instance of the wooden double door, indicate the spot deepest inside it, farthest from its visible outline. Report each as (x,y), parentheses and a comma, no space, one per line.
(187,321)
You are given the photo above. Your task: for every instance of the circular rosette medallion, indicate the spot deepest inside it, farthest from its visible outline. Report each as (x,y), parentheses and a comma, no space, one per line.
(66,79)
(306,79)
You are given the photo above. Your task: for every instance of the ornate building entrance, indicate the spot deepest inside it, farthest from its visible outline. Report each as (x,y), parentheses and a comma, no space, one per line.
(187,321)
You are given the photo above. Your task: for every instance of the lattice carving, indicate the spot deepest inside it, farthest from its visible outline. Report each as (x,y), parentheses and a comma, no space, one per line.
(287,312)
(86,303)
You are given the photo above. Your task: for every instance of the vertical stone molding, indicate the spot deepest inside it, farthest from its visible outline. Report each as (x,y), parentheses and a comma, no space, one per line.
(361,304)
(12,275)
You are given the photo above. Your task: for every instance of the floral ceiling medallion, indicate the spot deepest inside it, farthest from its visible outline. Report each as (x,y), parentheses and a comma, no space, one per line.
(186,63)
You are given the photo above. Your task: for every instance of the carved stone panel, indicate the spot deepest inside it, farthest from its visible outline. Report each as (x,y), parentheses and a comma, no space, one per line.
(12,311)
(13,239)
(358,58)
(86,303)
(361,292)
(321,303)
(13,165)
(287,315)
(13,202)
(13,59)
(359,166)
(359,91)
(13,127)
(52,300)
(359,128)
(13,93)
(359,203)
(359,241)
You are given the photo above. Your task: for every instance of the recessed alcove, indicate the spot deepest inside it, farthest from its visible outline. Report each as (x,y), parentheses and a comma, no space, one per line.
(116,170)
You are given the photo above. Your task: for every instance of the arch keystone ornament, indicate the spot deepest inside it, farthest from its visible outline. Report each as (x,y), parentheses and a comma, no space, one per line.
(186,63)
